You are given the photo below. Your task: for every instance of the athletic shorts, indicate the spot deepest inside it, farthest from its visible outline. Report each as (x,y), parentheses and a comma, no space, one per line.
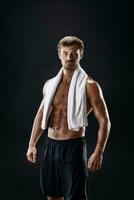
(64,170)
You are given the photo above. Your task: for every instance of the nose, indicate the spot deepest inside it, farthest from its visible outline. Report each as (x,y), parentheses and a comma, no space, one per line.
(69,57)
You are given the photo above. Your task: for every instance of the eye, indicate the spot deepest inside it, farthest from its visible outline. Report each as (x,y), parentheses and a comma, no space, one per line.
(75,54)
(65,53)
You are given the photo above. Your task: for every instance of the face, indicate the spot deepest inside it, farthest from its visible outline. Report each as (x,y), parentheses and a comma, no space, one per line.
(70,56)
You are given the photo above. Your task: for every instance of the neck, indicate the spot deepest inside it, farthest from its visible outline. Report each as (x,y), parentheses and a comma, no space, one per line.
(67,74)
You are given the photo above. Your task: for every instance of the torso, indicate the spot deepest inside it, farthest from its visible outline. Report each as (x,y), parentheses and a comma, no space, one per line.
(58,128)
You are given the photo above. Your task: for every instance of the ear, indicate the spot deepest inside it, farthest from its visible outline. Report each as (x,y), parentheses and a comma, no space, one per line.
(81,56)
(59,53)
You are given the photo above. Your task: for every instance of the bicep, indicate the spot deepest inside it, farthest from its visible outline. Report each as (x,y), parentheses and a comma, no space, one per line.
(40,109)
(97,100)
(100,109)
(42,102)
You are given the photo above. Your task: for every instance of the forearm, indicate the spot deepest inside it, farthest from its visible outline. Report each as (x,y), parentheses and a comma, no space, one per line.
(103,134)
(36,130)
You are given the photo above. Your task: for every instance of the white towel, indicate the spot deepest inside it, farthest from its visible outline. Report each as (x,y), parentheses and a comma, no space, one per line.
(76,105)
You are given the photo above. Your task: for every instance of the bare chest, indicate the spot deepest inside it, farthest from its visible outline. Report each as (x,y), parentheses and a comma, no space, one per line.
(61,95)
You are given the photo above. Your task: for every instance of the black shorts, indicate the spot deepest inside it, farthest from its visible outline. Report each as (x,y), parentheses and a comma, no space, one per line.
(64,169)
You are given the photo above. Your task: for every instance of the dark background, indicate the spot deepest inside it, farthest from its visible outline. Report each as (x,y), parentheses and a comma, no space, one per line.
(30,31)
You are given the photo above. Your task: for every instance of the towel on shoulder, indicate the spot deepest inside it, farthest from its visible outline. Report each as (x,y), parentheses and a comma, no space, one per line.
(76,103)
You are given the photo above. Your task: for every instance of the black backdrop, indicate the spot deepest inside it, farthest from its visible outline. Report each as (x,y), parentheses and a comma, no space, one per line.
(30,32)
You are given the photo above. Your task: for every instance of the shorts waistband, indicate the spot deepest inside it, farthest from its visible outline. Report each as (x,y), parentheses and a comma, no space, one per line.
(72,140)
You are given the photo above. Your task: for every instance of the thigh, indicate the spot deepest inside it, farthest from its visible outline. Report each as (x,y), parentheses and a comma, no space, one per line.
(49,175)
(76,173)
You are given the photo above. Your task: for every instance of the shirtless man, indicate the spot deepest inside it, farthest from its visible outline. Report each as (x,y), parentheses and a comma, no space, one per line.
(61,139)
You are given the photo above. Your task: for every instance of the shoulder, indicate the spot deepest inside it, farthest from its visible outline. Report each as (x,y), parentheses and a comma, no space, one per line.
(93,87)
(91,83)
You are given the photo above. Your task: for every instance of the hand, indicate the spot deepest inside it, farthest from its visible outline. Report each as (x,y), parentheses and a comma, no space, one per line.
(95,162)
(31,154)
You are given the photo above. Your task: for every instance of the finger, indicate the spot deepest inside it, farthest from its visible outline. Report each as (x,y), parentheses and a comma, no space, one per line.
(89,162)
(99,166)
(31,160)
(34,157)
(96,167)
(91,166)
(29,157)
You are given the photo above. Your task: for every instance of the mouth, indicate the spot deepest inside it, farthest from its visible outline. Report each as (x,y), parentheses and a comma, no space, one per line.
(69,62)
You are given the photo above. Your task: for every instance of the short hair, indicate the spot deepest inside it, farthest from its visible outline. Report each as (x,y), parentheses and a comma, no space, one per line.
(70,40)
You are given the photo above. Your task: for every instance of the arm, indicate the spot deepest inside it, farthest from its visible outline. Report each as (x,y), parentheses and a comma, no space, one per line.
(35,135)
(36,131)
(99,107)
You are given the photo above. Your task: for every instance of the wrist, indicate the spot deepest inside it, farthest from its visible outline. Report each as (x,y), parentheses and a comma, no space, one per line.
(31,145)
(98,150)
(99,153)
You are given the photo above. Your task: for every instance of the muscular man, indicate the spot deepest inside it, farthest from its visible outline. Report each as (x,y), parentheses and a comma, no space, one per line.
(64,167)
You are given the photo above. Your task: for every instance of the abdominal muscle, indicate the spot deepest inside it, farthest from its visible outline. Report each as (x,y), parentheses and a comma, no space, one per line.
(58,128)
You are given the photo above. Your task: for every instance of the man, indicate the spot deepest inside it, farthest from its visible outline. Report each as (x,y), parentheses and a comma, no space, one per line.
(64,167)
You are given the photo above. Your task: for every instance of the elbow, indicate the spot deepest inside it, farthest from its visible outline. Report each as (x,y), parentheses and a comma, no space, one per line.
(105,122)
(109,124)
